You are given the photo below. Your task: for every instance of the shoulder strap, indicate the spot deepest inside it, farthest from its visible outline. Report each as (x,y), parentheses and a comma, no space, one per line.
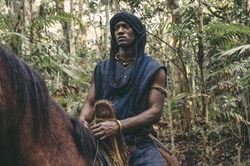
(158,143)
(171,160)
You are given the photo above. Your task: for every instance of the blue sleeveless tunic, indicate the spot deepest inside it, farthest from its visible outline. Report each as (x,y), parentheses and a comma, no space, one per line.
(130,98)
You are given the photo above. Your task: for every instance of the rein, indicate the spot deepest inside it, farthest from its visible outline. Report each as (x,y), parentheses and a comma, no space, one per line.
(100,152)
(96,152)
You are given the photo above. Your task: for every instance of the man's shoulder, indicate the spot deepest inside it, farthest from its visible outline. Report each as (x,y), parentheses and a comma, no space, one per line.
(102,66)
(152,62)
(102,63)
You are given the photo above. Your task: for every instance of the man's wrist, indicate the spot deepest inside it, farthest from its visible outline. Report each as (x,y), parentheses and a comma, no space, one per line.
(84,122)
(119,125)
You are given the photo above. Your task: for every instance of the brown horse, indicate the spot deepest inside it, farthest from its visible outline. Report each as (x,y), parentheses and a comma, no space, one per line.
(34,129)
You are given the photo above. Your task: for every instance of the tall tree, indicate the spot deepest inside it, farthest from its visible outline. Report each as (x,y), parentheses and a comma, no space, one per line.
(15,13)
(71,31)
(27,17)
(201,64)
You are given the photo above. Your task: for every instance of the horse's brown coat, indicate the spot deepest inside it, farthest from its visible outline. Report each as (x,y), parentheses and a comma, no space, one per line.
(34,129)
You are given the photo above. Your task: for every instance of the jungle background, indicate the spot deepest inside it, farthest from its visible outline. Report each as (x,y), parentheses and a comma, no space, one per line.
(205,45)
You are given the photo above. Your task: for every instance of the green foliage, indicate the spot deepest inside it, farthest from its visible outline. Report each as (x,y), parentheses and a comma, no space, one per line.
(5,23)
(245,80)
(48,19)
(233,116)
(93,6)
(226,36)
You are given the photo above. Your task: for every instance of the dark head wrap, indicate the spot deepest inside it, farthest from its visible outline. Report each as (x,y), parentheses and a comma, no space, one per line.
(137,26)
(139,47)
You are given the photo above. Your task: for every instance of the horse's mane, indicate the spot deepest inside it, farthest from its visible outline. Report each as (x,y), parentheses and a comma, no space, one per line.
(85,147)
(28,85)
(31,92)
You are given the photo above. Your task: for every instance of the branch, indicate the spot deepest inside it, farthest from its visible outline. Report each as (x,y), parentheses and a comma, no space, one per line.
(211,11)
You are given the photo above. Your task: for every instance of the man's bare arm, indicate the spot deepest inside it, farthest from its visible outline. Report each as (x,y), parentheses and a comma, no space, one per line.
(155,105)
(87,111)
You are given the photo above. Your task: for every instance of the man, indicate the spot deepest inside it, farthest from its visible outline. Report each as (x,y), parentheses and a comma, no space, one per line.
(135,84)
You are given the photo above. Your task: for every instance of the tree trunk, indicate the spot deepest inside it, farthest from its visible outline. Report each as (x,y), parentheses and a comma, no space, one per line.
(27,14)
(72,49)
(106,27)
(247,103)
(200,57)
(83,32)
(116,6)
(15,12)
(248,17)
(246,108)
(171,92)
(65,26)
(180,72)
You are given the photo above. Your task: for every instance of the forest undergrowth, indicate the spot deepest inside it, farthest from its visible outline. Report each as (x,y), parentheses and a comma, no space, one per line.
(225,148)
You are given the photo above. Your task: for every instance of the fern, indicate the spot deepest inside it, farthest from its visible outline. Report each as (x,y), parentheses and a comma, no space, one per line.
(236,51)
(226,35)
(229,115)
(49,21)
(228,70)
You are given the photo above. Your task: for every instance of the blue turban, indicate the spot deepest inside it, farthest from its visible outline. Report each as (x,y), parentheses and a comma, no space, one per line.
(134,22)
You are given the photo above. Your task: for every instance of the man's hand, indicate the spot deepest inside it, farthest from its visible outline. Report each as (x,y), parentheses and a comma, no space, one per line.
(105,129)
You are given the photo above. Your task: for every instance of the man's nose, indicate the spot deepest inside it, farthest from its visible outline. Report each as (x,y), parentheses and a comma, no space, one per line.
(120,30)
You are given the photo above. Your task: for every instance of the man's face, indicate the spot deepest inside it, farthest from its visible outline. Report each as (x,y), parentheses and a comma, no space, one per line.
(124,34)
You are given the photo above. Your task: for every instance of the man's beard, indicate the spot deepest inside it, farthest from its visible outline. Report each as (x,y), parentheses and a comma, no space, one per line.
(126,46)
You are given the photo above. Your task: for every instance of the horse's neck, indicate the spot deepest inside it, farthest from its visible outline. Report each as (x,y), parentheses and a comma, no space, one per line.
(53,145)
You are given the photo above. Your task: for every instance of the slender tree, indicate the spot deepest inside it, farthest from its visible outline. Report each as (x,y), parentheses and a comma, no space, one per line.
(71,32)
